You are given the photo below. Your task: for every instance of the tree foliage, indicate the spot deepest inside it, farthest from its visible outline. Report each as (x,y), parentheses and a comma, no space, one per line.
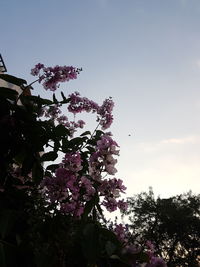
(172,224)
(51,214)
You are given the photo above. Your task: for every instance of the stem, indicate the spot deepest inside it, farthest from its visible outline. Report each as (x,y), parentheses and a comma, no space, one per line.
(32,83)
(53,148)
(91,136)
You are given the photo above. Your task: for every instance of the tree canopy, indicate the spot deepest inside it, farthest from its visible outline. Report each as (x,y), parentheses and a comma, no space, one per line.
(171,224)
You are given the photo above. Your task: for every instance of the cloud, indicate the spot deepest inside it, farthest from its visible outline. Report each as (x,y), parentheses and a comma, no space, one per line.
(184,140)
(170,165)
(162,145)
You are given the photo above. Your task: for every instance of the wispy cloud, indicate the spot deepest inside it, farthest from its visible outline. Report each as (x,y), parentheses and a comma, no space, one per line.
(170,165)
(184,140)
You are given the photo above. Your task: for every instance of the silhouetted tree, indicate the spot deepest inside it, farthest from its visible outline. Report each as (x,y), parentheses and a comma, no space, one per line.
(172,224)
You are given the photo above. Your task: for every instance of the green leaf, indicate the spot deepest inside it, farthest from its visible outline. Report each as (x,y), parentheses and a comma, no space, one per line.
(53,167)
(49,156)
(90,205)
(76,142)
(63,96)
(37,172)
(88,208)
(61,130)
(99,133)
(27,163)
(91,142)
(90,149)
(99,209)
(8,93)
(39,100)
(86,133)
(65,143)
(12,79)
(54,99)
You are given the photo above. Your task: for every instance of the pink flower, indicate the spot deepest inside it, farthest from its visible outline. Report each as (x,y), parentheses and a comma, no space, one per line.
(35,71)
(105,117)
(72,161)
(122,205)
(51,77)
(79,104)
(156,262)
(110,204)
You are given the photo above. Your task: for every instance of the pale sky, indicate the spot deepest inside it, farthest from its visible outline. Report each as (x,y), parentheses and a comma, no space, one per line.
(143,53)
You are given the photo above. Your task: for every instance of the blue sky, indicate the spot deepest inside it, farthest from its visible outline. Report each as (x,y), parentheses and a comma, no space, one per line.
(143,53)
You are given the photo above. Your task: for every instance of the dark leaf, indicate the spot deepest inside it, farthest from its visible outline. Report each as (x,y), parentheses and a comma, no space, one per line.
(53,167)
(8,93)
(39,100)
(76,142)
(49,156)
(54,99)
(27,163)
(86,133)
(37,172)
(63,96)
(12,79)
(61,130)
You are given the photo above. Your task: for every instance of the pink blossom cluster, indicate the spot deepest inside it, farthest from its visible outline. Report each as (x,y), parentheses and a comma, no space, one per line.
(68,188)
(71,188)
(153,260)
(72,162)
(156,262)
(54,113)
(102,159)
(51,77)
(105,117)
(79,104)
(111,190)
(122,232)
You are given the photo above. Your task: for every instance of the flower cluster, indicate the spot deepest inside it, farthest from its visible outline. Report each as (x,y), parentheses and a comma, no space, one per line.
(105,117)
(124,236)
(122,232)
(55,114)
(111,190)
(71,188)
(79,104)
(102,159)
(67,188)
(50,77)
(153,260)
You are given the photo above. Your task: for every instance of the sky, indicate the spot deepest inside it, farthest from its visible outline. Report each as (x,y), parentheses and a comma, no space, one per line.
(143,53)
